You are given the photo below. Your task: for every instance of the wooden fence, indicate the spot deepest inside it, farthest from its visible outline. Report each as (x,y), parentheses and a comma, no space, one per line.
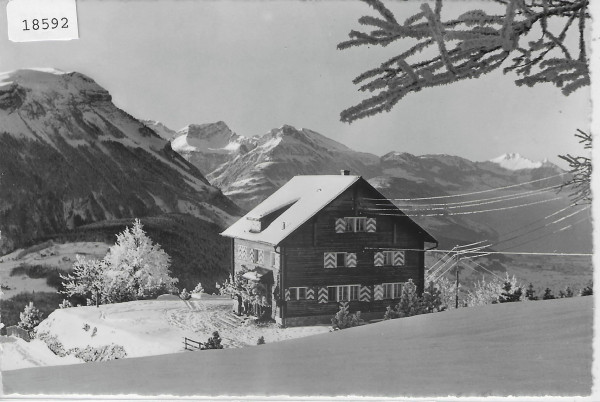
(191,344)
(18,332)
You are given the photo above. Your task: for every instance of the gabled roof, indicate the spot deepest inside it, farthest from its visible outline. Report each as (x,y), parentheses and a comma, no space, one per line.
(296,202)
(303,196)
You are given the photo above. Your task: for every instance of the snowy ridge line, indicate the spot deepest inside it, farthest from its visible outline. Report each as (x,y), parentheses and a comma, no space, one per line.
(475,212)
(475,202)
(466,194)
(479,253)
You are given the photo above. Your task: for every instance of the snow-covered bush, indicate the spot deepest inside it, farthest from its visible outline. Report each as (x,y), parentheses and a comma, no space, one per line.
(198,289)
(343,319)
(261,340)
(490,292)
(30,319)
(185,295)
(567,292)
(65,304)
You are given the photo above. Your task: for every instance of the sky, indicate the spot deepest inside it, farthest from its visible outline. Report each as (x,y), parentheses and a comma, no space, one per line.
(260,64)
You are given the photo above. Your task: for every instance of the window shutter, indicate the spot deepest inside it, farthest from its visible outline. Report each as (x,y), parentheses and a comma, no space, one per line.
(261,257)
(287,295)
(378,293)
(329,260)
(398,258)
(243,253)
(323,295)
(340,225)
(378,259)
(310,294)
(365,293)
(351,260)
(371,225)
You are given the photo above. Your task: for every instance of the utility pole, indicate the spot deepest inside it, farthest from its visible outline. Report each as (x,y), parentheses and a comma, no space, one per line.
(456,297)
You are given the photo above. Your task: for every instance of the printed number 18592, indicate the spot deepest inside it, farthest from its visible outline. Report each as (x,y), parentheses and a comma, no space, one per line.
(45,23)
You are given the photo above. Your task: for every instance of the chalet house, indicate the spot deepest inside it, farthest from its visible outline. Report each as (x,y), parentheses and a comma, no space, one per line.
(322,241)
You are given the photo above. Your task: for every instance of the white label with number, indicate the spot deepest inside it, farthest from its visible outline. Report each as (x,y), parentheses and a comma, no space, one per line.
(40,20)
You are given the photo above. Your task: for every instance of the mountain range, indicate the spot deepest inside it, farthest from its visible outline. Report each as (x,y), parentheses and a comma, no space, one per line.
(249,169)
(69,157)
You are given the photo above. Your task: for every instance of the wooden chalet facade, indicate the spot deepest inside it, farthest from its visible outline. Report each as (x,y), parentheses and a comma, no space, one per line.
(322,241)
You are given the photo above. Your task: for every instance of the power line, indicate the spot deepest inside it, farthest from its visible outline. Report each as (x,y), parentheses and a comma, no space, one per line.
(499,197)
(480,253)
(471,193)
(474,212)
(541,227)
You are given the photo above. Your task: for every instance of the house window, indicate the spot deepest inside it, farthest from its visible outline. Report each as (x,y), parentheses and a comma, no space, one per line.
(298,293)
(392,290)
(389,258)
(343,293)
(272,258)
(254,255)
(356,224)
(339,260)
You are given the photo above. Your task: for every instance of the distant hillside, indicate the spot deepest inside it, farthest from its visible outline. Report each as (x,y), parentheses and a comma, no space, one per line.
(69,157)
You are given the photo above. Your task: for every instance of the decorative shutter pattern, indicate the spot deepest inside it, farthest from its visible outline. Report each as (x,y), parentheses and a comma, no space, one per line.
(351,260)
(378,292)
(379,259)
(365,293)
(261,257)
(243,253)
(310,294)
(340,225)
(329,260)
(277,260)
(344,304)
(371,225)
(323,295)
(398,258)
(287,295)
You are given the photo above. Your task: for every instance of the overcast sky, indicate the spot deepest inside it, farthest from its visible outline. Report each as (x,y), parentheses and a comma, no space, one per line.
(259,65)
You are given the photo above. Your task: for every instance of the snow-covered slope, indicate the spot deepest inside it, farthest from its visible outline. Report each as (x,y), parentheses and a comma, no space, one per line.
(160,129)
(514,161)
(529,348)
(69,156)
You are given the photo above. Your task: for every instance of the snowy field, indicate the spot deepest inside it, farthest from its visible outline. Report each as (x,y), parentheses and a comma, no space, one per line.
(52,255)
(143,328)
(538,348)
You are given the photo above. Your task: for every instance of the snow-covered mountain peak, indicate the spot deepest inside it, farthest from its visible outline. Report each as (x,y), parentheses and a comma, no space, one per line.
(514,161)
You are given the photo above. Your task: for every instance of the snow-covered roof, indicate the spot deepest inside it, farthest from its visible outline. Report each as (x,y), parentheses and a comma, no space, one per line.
(303,196)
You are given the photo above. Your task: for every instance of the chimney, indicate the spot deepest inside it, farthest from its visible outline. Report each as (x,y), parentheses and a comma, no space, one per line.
(345,172)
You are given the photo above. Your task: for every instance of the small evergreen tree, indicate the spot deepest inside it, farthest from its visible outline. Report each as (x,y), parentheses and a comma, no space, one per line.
(30,319)
(410,303)
(510,293)
(548,294)
(588,290)
(432,299)
(261,341)
(214,342)
(65,304)
(530,293)
(343,319)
